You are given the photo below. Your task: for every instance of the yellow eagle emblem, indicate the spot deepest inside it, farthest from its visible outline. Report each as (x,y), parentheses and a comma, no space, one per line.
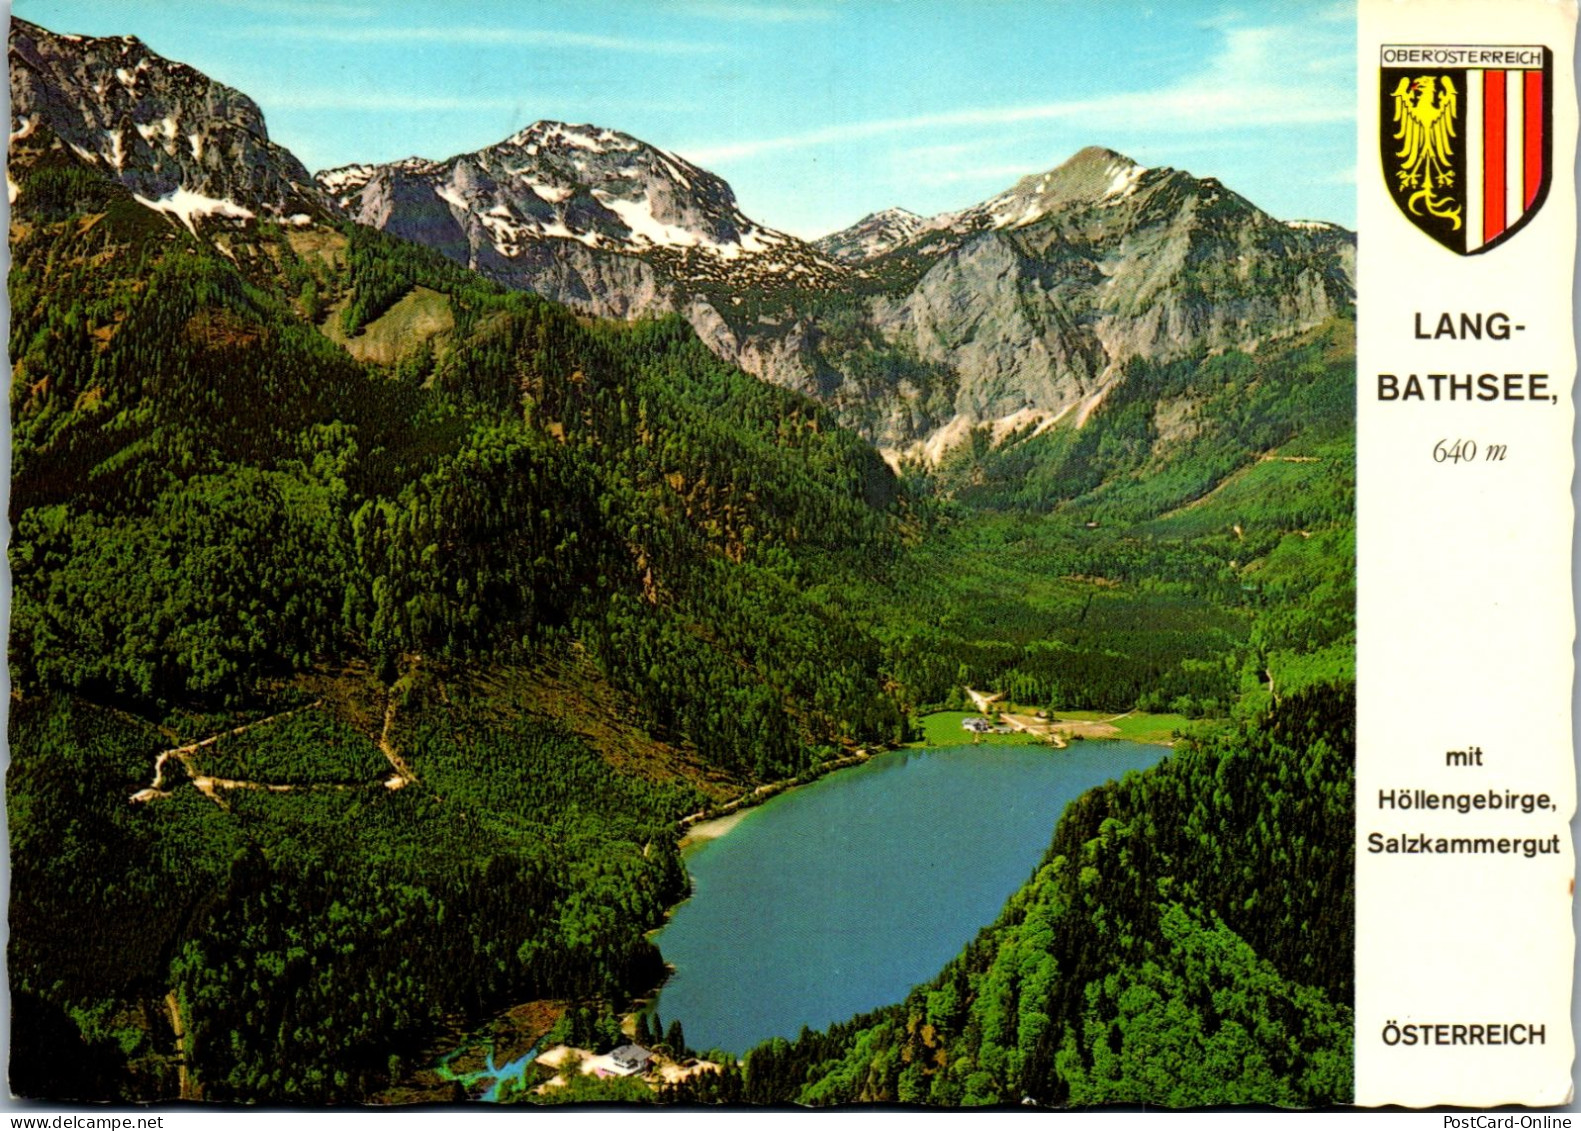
(1424,114)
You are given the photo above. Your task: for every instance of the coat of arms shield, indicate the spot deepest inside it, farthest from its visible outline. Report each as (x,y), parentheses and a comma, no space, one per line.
(1466,134)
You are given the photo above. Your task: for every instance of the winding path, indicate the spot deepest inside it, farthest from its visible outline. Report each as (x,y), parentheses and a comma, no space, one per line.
(184,1082)
(403,773)
(212,787)
(207,784)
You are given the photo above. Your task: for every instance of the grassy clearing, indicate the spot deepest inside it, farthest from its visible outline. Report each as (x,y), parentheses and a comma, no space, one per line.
(943,728)
(421,314)
(1138,726)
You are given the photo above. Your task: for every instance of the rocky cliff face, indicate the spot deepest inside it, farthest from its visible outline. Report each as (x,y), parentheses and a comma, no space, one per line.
(581,214)
(178,140)
(1037,298)
(1016,312)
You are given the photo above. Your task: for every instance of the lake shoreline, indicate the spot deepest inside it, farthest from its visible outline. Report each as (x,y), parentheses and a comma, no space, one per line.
(717,820)
(710,823)
(713,827)
(714,822)
(991,795)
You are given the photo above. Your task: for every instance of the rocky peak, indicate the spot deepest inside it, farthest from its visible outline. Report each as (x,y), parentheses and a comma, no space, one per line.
(871,236)
(1093,177)
(552,181)
(564,137)
(661,199)
(347,181)
(180,141)
(1013,312)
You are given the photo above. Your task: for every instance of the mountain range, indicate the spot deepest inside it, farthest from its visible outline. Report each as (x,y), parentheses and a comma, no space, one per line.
(368,588)
(1012,315)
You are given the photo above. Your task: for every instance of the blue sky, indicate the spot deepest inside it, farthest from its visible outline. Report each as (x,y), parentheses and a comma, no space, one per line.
(816,111)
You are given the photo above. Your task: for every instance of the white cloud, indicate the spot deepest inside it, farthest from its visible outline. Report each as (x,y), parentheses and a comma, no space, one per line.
(298,99)
(318,9)
(1248,85)
(477,37)
(996,173)
(539,104)
(734,11)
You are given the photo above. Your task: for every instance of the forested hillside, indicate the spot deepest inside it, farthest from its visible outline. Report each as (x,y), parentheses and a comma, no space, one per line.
(374,626)
(221,515)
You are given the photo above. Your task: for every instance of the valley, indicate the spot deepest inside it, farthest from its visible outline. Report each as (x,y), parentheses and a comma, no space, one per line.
(407,557)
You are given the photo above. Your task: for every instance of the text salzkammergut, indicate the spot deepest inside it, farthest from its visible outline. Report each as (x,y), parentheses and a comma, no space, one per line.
(1423,844)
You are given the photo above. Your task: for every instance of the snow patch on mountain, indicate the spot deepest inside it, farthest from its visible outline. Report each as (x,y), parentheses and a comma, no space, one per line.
(153,124)
(551,194)
(1123,179)
(451,197)
(346,178)
(26,128)
(117,155)
(163,132)
(558,230)
(674,169)
(1009,218)
(188,206)
(638,216)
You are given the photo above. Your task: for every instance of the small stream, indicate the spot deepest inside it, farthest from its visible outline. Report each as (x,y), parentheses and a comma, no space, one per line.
(497,1076)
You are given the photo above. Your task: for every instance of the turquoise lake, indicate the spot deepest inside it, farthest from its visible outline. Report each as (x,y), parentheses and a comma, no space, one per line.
(839,897)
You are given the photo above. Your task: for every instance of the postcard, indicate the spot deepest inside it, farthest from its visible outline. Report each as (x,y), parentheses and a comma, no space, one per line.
(748,553)
(1462,125)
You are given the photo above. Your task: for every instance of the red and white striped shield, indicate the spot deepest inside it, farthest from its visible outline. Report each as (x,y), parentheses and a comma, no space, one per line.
(1467,139)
